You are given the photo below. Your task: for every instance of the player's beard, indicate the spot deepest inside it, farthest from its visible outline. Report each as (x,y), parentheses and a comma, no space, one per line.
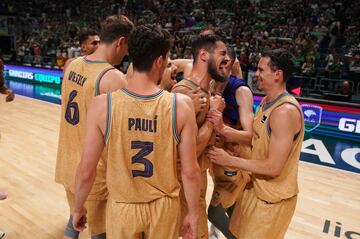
(213,72)
(256,82)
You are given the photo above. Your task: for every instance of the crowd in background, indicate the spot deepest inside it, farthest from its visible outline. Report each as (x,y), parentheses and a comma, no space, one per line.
(323,35)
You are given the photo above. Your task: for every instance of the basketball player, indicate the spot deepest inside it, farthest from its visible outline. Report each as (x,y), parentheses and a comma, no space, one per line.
(210,57)
(3,89)
(168,78)
(269,200)
(89,42)
(237,133)
(85,78)
(142,129)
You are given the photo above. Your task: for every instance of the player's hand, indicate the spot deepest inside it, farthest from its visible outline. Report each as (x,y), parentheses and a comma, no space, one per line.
(217,103)
(10,97)
(219,141)
(216,117)
(79,219)
(219,156)
(189,226)
(199,100)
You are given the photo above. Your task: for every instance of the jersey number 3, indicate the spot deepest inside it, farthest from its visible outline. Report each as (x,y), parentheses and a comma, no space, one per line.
(145,149)
(72,116)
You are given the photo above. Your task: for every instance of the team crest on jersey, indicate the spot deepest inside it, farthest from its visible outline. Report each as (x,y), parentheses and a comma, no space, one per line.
(312,116)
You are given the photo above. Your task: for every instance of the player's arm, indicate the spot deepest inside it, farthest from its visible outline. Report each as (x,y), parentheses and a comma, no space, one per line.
(182,64)
(112,80)
(244,99)
(93,147)
(285,122)
(236,69)
(190,170)
(206,131)
(204,136)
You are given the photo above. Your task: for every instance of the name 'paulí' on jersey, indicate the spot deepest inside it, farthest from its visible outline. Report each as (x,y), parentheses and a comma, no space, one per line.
(77,78)
(145,125)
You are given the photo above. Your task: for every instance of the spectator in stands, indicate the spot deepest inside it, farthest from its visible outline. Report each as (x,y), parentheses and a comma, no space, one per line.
(334,68)
(355,63)
(345,90)
(251,78)
(343,93)
(28,58)
(21,52)
(244,61)
(36,52)
(308,68)
(61,60)
(299,59)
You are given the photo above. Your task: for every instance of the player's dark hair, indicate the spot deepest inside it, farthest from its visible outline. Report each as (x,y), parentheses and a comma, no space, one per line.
(146,43)
(206,42)
(85,35)
(281,59)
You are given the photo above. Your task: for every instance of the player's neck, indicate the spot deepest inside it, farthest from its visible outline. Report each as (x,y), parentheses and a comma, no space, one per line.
(200,77)
(142,83)
(98,55)
(274,93)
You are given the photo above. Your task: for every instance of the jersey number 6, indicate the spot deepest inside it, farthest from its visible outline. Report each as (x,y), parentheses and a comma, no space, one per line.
(72,118)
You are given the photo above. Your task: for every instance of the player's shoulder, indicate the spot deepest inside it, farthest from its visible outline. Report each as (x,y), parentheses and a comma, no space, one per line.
(113,79)
(183,101)
(181,88)
(244,90)
(75,60)
(115,73)
(287,110)
(72,62)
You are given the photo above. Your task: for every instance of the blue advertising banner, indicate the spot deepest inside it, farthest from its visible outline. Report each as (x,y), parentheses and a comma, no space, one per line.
(37,91)
(33,74)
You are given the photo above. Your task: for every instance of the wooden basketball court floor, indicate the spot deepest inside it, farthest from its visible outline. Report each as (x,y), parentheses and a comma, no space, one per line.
(36,206)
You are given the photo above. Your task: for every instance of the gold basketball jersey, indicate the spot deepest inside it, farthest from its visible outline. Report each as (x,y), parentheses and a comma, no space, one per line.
(229,181)
(80,84)
(201,116)
(204,161)
(285,185)
(141,147)
(235,149)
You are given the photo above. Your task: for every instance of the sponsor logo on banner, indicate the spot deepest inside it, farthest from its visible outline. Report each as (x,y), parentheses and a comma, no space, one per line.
(349,125)
(312,116)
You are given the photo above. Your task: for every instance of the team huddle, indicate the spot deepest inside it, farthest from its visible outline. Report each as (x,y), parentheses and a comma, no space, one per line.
(135,150)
